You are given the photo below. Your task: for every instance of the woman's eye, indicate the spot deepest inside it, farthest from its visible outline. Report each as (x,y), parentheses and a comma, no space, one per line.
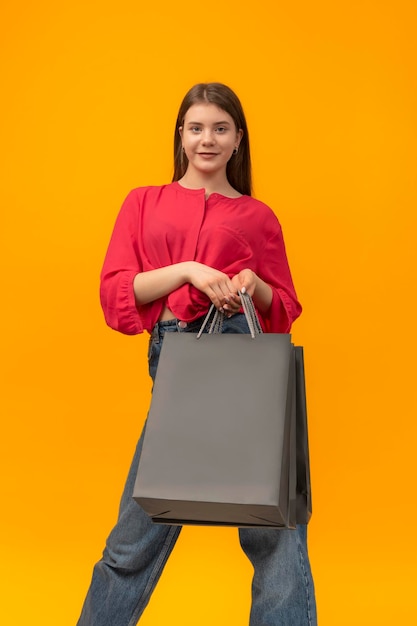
(220,129)
(195,129)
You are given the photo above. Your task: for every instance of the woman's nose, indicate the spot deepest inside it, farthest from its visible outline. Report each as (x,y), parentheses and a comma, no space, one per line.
(207,137)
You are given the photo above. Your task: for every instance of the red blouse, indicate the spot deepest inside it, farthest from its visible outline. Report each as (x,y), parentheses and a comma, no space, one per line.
(159,226)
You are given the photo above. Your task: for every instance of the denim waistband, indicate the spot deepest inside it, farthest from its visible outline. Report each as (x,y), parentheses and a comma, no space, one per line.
(237,323)
(176,325)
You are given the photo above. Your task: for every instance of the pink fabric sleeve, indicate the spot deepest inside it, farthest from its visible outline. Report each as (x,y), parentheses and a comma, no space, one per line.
(274,270)
(121,264)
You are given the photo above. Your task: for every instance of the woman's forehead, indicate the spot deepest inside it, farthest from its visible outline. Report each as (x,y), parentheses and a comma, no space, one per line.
(207,111)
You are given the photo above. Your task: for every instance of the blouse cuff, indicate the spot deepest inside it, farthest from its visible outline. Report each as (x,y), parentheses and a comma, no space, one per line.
(119,305)
(282,312)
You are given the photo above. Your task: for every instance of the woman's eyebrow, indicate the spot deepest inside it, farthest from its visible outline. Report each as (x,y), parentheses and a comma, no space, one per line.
(214,124)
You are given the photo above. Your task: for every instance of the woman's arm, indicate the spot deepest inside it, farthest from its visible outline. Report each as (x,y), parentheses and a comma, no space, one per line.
(154,284)
(274,295)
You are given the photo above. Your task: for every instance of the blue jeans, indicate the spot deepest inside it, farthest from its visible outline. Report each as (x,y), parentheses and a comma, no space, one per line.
(137,550)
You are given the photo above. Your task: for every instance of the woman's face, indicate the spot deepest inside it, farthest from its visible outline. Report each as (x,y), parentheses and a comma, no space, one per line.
(209,136)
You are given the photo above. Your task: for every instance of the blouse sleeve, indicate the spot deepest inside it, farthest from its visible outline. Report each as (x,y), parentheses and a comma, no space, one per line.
(285,307)
(121,264)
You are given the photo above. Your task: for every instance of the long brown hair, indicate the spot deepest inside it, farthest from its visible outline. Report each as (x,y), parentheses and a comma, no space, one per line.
(238,170)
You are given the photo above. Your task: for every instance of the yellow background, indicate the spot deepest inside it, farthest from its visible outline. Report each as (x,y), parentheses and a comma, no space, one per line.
(90,92)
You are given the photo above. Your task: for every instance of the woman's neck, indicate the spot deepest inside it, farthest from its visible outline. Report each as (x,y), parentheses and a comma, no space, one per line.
(211,184)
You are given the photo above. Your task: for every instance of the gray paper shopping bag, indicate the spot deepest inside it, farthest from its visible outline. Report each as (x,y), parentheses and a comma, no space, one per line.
(304,498)
(218,436)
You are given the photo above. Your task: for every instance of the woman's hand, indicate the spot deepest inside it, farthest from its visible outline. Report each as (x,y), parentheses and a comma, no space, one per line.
(249,282)
(245,281)
(216,285)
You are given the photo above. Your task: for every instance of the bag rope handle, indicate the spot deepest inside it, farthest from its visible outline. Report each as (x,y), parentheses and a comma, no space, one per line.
(216,324)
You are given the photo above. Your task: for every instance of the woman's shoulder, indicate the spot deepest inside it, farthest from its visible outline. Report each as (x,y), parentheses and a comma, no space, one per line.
(151,190)
(140,197)
(261,209)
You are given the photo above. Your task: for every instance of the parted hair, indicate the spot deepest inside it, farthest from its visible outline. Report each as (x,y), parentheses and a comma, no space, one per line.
(238,169)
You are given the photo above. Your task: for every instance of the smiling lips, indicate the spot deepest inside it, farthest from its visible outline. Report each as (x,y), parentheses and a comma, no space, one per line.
(207,155)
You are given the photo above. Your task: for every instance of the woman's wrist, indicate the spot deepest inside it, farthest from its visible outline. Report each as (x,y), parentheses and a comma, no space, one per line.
(262,295)
(186,268)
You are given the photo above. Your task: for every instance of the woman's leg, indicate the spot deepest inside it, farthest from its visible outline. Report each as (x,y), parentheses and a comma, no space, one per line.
(282,586)
(134,557)
(136,550)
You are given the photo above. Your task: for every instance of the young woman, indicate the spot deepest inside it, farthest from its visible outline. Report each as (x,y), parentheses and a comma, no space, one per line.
(176,249)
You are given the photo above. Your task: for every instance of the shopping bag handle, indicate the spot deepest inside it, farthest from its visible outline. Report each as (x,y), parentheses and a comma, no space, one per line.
(249,310)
